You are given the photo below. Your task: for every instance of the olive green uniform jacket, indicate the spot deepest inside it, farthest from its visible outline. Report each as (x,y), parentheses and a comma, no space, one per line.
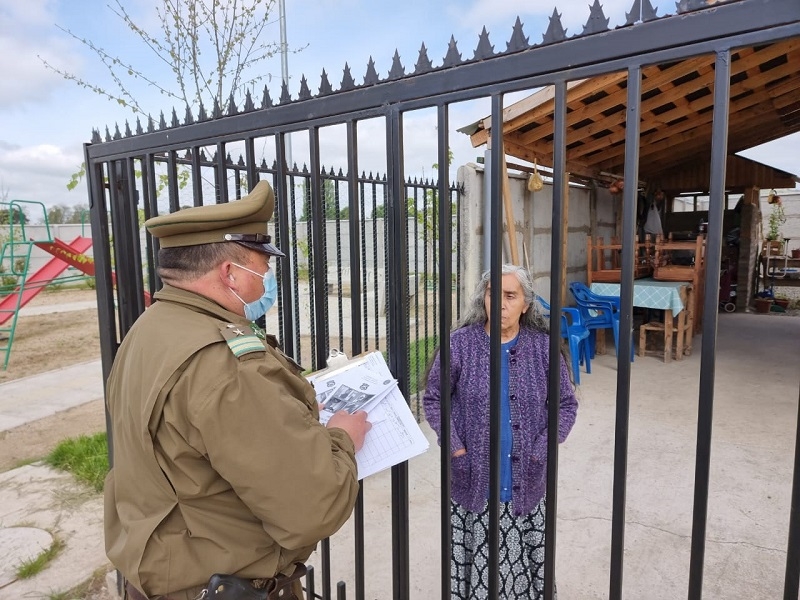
(220,462)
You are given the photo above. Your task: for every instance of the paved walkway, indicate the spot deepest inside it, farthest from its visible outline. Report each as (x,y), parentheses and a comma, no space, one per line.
(38,396)
(755,414)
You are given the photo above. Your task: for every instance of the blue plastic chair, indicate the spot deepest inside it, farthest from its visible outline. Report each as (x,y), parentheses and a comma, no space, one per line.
(577,335)
(598,312)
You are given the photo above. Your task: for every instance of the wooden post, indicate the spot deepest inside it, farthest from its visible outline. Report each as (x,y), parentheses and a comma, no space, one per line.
(509,215)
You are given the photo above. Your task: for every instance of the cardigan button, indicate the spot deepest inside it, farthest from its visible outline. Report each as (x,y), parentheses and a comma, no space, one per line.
(513,361)
(515,459)
(512,397)
(515,426)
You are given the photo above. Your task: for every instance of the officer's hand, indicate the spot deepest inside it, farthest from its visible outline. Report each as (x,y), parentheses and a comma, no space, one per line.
(355,425)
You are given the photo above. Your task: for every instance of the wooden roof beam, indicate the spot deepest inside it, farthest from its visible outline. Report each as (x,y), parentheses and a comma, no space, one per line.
(655,78)
(546,159)
(694,107)
(677,96)
(699,137)
(541,104)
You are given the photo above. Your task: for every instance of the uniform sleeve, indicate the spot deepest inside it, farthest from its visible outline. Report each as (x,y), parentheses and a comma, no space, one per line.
(432,400)
(568,409)
(263,436)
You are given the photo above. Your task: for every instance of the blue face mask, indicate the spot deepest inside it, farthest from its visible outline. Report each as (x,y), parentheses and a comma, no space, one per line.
(258,308)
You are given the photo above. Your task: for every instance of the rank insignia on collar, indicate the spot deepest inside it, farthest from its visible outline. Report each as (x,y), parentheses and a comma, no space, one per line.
(258,331)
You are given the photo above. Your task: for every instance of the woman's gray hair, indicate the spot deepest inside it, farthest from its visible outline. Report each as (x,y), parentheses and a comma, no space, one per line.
(531,318)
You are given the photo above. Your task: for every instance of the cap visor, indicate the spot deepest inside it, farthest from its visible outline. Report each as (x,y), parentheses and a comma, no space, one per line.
(263,248)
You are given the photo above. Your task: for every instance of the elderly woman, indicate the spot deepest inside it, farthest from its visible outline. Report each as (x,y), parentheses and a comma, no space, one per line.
(523,439)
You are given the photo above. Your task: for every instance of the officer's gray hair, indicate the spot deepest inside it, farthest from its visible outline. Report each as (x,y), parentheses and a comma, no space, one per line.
(187,263)
(476,309)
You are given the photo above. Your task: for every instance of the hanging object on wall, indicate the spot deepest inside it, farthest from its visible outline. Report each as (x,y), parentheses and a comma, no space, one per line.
(535,181)
(773,198)
(616,186)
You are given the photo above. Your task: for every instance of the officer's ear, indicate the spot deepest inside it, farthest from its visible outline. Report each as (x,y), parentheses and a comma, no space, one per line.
(225,274)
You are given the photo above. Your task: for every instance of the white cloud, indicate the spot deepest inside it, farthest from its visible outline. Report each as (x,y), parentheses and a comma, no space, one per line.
(40,173)
(27,31)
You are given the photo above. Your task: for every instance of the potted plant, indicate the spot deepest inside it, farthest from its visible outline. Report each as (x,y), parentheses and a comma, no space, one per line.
(776,218)
(782,301)
(763,301)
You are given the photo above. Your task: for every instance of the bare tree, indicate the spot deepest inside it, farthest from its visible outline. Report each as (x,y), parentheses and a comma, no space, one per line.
(212,48)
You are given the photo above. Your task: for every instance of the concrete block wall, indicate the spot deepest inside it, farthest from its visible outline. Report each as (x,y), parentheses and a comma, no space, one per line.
(589,213)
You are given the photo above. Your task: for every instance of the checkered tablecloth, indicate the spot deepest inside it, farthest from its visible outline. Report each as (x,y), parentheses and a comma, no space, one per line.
(648,293)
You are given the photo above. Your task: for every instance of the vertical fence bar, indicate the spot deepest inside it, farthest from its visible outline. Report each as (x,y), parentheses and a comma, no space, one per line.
(397,278)
(560,188)
(791,585)
(284,203)
(150,210)
(121,227)
(356,210)
(197,177)
(295,280)
(98,214)
(445,319)
(132,214)
(625,324)
(373,187)
(318,275)
(339,297)
(713,249)
(496,282)
(221,174)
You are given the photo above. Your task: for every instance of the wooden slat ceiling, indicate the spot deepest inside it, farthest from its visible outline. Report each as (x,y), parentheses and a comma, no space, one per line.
(676,108)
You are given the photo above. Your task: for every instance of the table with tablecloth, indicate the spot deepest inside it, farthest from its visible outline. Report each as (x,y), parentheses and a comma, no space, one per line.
(671,297)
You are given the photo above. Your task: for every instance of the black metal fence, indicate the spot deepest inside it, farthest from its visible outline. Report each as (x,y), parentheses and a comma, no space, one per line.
(126,171)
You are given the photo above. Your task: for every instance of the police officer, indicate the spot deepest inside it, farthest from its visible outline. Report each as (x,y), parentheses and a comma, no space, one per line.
(220,462)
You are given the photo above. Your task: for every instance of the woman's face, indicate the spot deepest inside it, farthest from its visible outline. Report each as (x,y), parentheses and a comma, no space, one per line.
(513,302)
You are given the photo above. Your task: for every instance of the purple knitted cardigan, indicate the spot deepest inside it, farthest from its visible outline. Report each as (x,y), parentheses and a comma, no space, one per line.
(469,384)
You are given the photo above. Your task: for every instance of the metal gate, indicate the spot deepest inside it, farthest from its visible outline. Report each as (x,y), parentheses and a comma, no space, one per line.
(156,166)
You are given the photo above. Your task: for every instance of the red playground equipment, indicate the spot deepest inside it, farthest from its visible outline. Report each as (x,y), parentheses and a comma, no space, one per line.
(17,285)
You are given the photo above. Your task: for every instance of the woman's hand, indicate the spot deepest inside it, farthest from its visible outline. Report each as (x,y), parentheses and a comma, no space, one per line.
(460,452)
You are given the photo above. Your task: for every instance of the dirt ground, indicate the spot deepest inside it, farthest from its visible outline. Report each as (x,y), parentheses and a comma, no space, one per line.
(44,343)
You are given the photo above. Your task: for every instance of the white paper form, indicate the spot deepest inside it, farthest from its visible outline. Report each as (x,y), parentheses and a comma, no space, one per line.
(395,435)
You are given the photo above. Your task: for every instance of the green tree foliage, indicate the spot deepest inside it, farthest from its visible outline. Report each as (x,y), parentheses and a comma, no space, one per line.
(62,214)
(7,216)
(332,210)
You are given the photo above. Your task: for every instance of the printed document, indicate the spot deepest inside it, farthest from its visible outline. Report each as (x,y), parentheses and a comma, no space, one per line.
(365,383)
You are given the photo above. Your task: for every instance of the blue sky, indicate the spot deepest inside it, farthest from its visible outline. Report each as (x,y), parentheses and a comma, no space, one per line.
(44,120)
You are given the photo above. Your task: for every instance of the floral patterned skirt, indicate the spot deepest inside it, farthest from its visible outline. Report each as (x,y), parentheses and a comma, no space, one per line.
(521,553)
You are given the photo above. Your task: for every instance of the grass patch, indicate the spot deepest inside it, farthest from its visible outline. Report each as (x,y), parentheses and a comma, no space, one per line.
(29,568)
(86,457)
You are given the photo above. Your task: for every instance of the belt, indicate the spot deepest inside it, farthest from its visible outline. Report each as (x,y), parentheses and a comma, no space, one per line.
(190,594)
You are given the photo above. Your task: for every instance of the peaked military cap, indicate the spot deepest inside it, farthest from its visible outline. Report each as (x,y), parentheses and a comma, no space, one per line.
(242,221)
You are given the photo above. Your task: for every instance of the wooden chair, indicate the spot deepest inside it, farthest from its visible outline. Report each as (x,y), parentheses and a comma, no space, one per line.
(604,260)
(665,269)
